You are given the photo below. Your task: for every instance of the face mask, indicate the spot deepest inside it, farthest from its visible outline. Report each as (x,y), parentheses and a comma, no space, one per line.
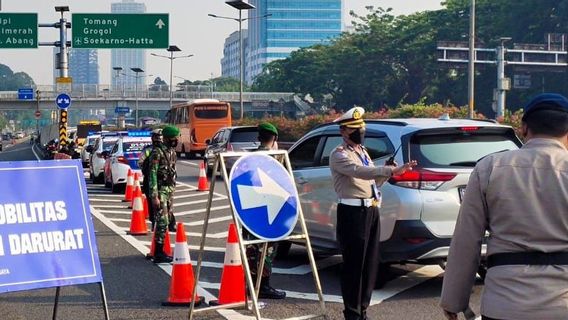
(357,136)
(173,143)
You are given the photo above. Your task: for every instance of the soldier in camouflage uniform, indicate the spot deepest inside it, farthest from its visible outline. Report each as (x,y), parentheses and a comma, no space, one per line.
(162,187)
(267,135)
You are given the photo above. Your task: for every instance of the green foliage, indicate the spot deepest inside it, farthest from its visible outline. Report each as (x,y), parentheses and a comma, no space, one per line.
(391,60)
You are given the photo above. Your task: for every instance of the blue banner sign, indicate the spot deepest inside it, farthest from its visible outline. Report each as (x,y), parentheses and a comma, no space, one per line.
(46,232)
(25,94)
(121,109)
(264,197)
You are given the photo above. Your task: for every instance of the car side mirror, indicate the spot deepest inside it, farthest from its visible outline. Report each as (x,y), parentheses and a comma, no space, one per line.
(89,149)
(208,141)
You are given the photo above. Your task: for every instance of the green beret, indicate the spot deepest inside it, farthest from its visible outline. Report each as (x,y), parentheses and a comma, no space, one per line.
(268,127)
(170,131)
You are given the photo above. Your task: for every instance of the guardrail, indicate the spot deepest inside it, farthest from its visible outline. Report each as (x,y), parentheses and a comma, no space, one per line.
(102,92)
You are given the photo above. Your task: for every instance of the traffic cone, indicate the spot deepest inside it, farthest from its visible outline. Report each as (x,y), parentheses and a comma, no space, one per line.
(233,278)
(138,220)
(181,285)
(202,184)
(167,246)
(146,206)
(136,190)
(129,184)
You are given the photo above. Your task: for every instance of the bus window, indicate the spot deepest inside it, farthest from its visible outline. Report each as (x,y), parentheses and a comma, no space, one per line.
(211,112)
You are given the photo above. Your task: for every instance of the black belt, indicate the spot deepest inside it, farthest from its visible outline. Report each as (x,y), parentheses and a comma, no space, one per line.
(527,258)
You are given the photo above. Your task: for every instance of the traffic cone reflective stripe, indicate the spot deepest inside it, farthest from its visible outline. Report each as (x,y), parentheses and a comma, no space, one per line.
(202,184)
(137,219)
(129,184)
(181,286)
(232,288)
(136,190)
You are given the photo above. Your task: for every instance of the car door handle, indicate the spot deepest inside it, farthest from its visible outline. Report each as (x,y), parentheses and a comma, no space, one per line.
(301,180)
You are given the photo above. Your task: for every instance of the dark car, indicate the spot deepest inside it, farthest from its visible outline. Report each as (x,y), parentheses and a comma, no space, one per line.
(244,138)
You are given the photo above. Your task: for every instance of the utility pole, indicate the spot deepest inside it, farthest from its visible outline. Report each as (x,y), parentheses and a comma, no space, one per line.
(471,62)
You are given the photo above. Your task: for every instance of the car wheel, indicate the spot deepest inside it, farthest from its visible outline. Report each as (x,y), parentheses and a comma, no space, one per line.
(183,152)
(382,275)
(99,179)
(283,249)
(116,188)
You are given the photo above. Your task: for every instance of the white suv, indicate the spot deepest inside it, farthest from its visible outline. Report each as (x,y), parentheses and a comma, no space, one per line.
(420,207)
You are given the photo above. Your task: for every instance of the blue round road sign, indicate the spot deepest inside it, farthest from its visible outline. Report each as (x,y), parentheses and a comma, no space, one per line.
(63,101)
(264,197)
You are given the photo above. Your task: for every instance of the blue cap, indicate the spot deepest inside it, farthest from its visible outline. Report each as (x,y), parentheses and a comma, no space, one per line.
(546,101)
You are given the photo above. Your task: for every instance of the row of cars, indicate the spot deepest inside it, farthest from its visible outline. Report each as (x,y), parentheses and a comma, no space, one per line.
(420,207)
(109,156)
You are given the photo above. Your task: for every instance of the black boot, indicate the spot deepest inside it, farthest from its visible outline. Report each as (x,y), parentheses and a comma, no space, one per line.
(160,256)
(172,224)
(267,292)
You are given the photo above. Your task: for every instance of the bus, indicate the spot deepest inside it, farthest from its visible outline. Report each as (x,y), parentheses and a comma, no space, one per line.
(198,120)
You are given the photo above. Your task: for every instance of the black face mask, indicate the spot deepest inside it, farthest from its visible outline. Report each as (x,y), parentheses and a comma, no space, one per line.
(357,136)
(172,143)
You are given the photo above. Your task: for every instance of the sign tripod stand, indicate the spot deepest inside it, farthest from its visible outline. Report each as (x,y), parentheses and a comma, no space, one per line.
(285,170)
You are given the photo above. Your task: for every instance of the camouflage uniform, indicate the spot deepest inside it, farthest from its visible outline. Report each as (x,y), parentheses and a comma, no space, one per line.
(162,185)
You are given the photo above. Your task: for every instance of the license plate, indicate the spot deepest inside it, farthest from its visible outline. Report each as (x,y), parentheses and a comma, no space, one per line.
(461,191)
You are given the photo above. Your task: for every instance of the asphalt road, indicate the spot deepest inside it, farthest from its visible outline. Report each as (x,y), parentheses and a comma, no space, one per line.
(135,287)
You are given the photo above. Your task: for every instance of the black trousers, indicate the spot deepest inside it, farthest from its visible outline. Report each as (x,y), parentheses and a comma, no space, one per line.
(358,233)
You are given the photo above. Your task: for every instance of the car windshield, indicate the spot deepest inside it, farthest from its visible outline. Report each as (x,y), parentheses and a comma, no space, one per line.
(107,144)
(135,145)
(458,150)
(250,135)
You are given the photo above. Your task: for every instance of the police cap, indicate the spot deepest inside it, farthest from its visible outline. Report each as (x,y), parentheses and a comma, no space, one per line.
(353,118)
(546,101)
(268,127)
(170,131)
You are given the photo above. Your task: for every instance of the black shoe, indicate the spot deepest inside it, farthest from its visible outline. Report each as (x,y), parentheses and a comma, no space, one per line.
(267,292)
(160,256)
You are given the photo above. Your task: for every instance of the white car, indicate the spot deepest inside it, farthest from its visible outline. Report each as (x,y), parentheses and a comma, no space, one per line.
(86,155)
(124,156)
(99,152)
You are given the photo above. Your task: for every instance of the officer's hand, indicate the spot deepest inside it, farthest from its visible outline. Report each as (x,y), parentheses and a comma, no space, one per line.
(450,315)
(405,167)
(156,202)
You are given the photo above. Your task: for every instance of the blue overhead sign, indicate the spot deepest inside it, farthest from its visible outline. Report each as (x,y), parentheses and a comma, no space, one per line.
(264,196)
(63,101)
(25,94)
(121,109)
(46,234)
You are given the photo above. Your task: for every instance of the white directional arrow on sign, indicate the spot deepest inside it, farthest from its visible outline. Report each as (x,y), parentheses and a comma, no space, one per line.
(269,194)
(160,24)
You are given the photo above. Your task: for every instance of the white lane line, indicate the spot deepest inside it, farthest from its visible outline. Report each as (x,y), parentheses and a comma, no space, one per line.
(193,195)
(106,200)
(116,212)
(195,188)
(141,248)
(188,163)
(190,212)
(35,154)
(176,204)
(403,283)
(218,235)
(189,224)
(106,194)
(196,248)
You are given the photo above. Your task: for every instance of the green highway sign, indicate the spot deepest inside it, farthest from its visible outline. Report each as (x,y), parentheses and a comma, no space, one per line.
(18,30)
(122,30)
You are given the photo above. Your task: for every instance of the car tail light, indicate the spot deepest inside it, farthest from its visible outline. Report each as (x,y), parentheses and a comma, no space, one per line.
(422,179)
(122,159)
(469,129)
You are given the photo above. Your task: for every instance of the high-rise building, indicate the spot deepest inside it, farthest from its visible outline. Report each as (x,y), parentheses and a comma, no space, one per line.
(230,61)
(84,66)
(293,24)
(127,58)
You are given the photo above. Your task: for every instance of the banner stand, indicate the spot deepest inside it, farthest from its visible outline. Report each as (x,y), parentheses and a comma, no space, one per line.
(281,156)
(103,297)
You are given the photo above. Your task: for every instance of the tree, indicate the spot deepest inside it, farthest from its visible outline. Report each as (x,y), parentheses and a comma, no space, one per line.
(159,85)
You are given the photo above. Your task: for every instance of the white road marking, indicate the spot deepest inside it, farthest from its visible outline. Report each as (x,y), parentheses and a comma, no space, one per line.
(190,212)
(189,224)
(35,154)
(193,195)
(196,202)
(195,248)
(195,188)
(106,200)
(218,235)
(188,163)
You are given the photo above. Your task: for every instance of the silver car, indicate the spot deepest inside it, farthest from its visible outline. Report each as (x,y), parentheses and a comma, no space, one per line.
(242,138)
(420,207)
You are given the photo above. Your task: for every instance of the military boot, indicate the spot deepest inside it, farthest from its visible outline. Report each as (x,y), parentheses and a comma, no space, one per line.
(160,256)
(268,292)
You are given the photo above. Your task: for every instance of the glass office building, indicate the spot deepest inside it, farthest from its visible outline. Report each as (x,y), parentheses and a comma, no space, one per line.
(292,24)
(127,58)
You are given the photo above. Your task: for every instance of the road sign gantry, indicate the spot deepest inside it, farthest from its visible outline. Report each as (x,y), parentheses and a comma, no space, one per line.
(18,30)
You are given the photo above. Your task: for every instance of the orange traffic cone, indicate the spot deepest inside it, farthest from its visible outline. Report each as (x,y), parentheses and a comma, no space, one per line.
(129,184)
(136,190)
(202,184)
(138,220)
(167,246)
(181,285)
(146,206)
(233,278)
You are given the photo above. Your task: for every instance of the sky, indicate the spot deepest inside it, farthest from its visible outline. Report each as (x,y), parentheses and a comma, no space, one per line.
(191,30)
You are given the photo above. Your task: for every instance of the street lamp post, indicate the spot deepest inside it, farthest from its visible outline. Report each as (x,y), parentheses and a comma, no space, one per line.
(136,71)
(471,62)
(171,49)
(240,5)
